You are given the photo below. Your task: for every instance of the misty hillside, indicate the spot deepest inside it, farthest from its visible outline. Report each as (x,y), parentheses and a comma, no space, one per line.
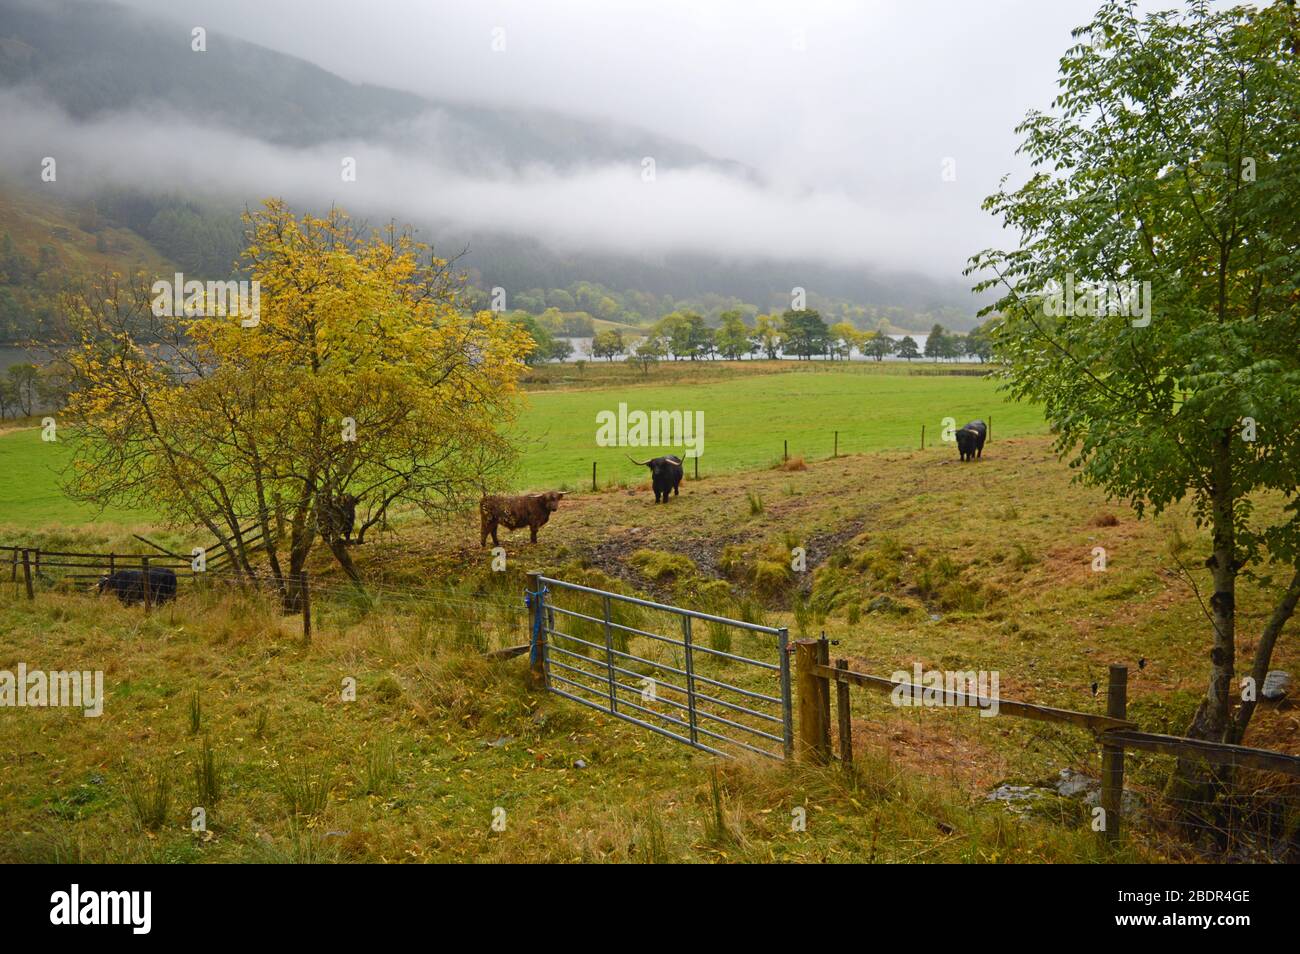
(87,57)
(97,62)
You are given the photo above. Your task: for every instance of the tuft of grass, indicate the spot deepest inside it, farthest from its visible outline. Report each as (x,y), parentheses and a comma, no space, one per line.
(207,775)
(718,829)
(381,768)
(755,503)
(654,842)
(720,638)
(149,794)
(262,723)
(196,713)
(1023,558)
(304,794)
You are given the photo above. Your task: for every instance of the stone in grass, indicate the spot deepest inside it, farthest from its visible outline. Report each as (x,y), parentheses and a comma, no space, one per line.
(1071,784)
(1277,684)
(1013,795)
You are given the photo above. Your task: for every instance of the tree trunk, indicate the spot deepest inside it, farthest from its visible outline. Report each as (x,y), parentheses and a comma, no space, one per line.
(1193,781)
(1263,655)
(340,551)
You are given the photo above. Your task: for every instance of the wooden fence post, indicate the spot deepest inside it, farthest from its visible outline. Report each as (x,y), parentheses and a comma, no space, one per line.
(836,452)
(306,607)
(593,476)
(146,583)
(1112,756)
(846,722)
(786,452)
(696,458)
(922,437)
(814,702)
(27,575)
(988,430)
(13,566)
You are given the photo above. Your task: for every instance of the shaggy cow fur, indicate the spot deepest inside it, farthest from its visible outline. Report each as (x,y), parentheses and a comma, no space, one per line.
(526,510)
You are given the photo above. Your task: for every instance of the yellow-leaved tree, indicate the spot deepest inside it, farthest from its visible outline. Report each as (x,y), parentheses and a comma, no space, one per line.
(355,385)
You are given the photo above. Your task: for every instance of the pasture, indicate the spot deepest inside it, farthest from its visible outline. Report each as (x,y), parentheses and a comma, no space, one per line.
(749,409)
(218,691)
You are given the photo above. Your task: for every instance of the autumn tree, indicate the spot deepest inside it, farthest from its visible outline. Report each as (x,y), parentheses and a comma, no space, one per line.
(843,338)
(358,379)
(767,335)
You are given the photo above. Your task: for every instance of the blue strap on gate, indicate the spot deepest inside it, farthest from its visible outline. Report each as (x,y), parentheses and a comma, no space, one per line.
(535,642)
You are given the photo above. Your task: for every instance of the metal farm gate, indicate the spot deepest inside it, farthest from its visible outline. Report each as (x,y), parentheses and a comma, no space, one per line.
(708,681)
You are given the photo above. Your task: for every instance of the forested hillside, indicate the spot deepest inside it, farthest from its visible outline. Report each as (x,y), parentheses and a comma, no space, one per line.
(84,60)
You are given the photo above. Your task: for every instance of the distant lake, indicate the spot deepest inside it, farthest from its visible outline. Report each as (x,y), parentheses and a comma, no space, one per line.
(582,348)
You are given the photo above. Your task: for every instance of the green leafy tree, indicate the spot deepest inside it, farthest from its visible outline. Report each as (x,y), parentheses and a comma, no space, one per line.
(686,334)
(649,351)
(936,343)
(879,345)
(978,343)
(608,344)
(907,348)
(1172,157)
(543,344)
(732,338)
(803,333)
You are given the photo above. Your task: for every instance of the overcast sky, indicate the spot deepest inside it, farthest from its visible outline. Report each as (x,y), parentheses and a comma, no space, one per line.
(848,109)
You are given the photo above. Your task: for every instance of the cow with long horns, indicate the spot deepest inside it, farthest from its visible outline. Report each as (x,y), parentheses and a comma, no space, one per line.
(665,475)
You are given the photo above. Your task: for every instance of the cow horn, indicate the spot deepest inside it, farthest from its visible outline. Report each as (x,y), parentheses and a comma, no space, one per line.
(639,463)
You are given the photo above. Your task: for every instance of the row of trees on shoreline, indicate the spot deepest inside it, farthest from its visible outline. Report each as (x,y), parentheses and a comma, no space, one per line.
(800,334)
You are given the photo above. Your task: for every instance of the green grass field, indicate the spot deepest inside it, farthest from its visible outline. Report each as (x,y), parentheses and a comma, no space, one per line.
(748,417)
(30,496)
(750,409)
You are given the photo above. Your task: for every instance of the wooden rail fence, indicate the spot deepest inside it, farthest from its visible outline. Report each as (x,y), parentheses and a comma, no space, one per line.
(78,567)
(1115,734)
